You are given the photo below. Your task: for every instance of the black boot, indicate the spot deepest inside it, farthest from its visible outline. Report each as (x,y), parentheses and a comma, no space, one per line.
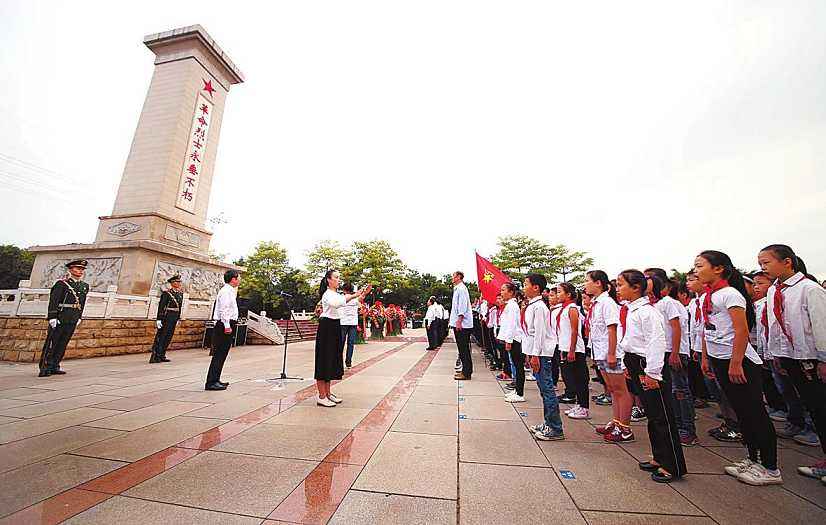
(154,359)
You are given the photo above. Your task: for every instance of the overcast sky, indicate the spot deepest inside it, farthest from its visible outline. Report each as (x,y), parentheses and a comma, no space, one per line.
(640,132)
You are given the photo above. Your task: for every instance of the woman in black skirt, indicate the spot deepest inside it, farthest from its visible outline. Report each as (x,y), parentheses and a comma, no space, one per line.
(329,363)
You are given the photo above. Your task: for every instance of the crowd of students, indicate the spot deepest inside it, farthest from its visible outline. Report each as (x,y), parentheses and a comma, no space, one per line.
(755,344)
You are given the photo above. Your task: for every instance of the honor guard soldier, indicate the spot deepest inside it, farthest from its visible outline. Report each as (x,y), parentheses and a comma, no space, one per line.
(169,312)
(66,302)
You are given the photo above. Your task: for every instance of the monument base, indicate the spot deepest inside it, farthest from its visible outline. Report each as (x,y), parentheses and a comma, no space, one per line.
(135,267)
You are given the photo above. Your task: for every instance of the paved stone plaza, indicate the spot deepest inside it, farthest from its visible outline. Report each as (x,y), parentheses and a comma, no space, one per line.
(118,440)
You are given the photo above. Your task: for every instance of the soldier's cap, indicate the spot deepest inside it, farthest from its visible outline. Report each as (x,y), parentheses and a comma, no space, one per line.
(82,263)
(173,279)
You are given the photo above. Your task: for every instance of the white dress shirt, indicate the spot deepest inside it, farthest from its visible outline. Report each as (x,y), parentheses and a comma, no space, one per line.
(804,316)
(644,336)
(350,313)
(536,341)
(332,304)
(670,309)
(510,328)
(430,316)
(562,323)
(695,325)
(719,332)
(226,305)
(604,313)
(493,315)
(461,306)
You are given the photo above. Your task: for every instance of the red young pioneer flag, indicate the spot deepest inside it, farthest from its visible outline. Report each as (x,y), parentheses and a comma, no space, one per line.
(490,279)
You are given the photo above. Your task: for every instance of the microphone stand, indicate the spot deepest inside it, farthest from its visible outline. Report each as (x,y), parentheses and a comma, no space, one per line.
(284,375)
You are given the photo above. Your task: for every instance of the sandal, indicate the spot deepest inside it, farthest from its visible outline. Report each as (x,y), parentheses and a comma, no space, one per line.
(662,476)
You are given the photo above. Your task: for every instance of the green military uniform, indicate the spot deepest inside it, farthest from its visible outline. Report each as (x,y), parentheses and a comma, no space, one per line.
(67,300)
(169,312)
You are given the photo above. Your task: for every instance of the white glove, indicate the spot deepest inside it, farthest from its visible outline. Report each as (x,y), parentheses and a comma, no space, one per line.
(159,324)
(77,323)
(53,323)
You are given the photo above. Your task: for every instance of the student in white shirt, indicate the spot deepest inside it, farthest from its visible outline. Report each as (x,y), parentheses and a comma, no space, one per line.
(796,320)
(675,317)
(554,306)
(642,340)
(778,410)
(225,315)
(539,348)
(511,334)
(568,324)
(728,314)
(329,365)
(601,327)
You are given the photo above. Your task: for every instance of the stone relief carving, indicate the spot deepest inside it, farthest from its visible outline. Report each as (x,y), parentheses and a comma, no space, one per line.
(199,283)
(101,272)
(182,237)
(122,229)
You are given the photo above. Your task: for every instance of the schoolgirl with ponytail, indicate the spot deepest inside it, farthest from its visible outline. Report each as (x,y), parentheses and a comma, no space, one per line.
(794,320)
(728,315)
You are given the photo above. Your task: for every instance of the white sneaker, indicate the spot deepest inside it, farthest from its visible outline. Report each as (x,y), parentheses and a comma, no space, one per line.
(758,475)
(335,399)
(572,409)
(738,467)
(537,428)
(529,377)
(580,413)
(324,402)
(513,397)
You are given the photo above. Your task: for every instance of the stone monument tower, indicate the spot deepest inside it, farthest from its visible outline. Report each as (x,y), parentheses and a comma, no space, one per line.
(158,223)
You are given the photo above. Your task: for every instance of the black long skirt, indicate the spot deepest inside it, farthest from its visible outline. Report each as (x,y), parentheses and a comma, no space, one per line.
(329,359)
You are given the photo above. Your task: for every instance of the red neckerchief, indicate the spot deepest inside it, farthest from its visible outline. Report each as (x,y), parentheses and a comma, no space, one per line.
(559,317)
(522,316)
(623,315)
(697,313)
(653,300)
(719,285)
(779,307)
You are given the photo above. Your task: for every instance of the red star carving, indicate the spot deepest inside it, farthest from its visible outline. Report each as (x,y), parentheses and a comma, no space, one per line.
(208,87)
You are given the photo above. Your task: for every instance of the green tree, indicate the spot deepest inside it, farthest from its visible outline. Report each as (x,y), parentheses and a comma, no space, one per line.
(15,266)
(571,266)
(377,263)
(325,255)
(520,255)
(266,268)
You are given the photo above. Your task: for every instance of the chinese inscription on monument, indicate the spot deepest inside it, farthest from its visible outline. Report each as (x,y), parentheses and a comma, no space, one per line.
(195,155)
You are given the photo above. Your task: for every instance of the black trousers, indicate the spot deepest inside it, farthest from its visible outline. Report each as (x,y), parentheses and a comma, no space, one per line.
(662,427)
(163,337)
(578,374)
(463,342)
(773,396)
(812,391)
(747,402)
(519,364)
(696,381)
(567,371)
(54,348)
(221,344)
(555,366)
(432,336)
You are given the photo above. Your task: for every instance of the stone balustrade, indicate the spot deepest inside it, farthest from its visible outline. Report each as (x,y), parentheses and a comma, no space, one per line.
(34,302)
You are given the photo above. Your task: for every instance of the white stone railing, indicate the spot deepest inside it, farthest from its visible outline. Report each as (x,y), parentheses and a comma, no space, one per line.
(303,315)
(265,326)
(34,302)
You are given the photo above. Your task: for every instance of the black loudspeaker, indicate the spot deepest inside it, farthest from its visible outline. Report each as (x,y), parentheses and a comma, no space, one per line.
(243,307)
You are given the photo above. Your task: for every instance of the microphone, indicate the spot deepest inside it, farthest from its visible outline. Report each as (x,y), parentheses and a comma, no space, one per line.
(285,294)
